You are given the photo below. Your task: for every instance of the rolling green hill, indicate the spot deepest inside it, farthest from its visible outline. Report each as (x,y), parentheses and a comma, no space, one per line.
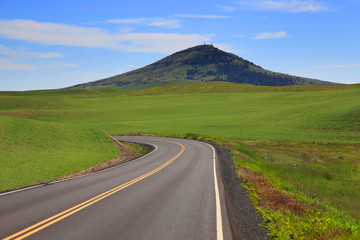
(305,138)
(202,63)
(65,126)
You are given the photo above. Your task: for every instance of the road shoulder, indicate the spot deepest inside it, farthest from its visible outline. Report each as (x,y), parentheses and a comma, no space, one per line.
(244,222)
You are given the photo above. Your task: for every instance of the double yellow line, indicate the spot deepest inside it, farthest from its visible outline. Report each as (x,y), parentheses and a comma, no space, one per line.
(58,217)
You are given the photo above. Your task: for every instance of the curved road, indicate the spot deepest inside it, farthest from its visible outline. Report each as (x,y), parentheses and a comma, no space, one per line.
(170,193)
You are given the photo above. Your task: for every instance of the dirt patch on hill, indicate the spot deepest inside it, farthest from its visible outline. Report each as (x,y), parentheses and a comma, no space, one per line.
(29,114)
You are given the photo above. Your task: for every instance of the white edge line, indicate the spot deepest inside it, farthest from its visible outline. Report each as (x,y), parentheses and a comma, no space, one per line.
(22,189)
(219,227)
(63,180)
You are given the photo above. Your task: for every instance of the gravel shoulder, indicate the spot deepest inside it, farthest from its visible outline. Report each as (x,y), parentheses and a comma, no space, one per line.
(244,221)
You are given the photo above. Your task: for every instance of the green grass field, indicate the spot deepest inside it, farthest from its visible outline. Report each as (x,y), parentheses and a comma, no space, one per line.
(47,134)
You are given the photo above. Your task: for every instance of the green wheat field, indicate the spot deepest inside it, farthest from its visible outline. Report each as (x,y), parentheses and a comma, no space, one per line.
(307,136)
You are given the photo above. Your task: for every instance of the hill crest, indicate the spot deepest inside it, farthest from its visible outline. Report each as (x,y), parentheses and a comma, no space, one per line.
(202,63)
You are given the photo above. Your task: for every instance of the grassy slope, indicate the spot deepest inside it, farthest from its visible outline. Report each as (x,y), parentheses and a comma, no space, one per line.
(314,171)
(46,134)
(326,170)
(247,112)
(32,151)
(309,115)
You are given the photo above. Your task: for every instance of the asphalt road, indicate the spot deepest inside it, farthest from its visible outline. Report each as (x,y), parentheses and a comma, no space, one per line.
(169,194)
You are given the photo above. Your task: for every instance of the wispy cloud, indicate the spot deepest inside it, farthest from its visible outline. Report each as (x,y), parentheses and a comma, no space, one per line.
(15,60)
(48,33)
(25,53)
(155,22)
(65,64)
(200,16)
(271,35)
(60,64)
(11,65)
(285,5)
(340,66)
(225,8)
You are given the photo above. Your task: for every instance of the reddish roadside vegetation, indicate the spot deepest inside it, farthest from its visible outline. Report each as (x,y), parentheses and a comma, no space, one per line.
(269,197)
(287,212)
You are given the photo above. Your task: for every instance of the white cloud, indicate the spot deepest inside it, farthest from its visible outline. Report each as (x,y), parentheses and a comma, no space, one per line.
(225,8)
(155,22)
(25,53)
(10,65)
(62,34)
(271,35)
(340,66)
(200,16)
(285,5)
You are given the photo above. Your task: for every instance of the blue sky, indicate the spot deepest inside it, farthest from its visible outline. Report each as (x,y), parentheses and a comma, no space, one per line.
(48,44)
